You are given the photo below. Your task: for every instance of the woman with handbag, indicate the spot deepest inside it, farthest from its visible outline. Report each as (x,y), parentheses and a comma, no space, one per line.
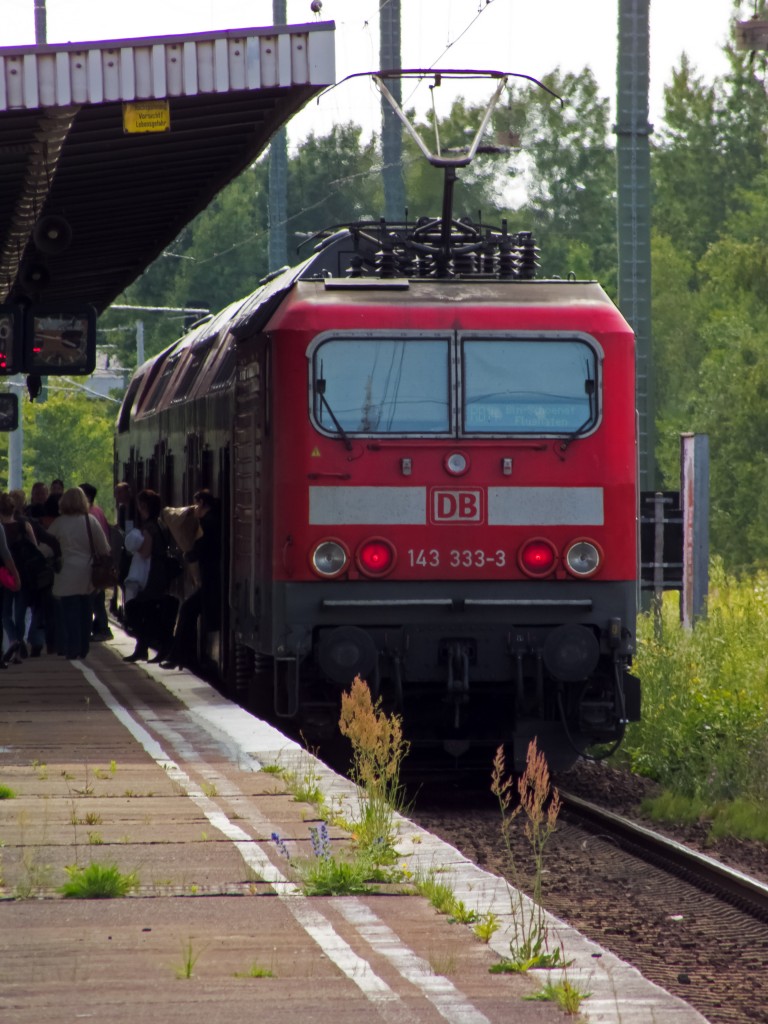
(80,537)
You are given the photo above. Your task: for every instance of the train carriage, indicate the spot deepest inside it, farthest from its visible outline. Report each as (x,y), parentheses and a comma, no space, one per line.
(428,464)
(431,483)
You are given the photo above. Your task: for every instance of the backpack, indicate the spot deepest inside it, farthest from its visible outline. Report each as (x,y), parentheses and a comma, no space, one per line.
(35,571)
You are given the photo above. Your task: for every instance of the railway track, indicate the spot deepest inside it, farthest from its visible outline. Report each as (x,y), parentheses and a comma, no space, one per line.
(747,893)
(685,921)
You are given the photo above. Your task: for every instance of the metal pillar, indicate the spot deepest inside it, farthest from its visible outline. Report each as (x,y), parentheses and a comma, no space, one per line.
(278,178)
(391,128)
(694,490)
(634,213)
(41,22)
(139,343)
(16,439)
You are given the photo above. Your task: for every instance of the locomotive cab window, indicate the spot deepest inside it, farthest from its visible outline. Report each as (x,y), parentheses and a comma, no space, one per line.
(529,386)
(381,385)
(462,385)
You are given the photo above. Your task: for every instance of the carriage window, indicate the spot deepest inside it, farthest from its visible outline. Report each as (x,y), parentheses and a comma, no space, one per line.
(382,386)
(529,386)
(161,385)
(124,416)
(195,360)
(226,369)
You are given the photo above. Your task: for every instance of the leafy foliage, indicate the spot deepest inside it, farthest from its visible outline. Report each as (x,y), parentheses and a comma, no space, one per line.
(709,315)
(570,174)
(69,437)
(705,698)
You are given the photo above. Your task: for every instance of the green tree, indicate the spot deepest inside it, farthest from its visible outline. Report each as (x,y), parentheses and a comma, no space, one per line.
(569,173)
(333,179)
(479,188)
(712,145)
(710,323)
(687,165)
(226,252)
(714,353)
(222,254)
(70,437)
(217,258)
(677,315)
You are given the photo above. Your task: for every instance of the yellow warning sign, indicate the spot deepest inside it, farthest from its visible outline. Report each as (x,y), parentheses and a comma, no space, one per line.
(315,453)
(146,116)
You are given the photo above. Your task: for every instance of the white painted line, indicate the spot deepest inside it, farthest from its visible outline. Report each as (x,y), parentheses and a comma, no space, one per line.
(619,992)
(449,1002)
(317,927)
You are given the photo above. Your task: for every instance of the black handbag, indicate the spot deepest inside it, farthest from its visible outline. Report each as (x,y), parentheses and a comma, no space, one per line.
(103,569)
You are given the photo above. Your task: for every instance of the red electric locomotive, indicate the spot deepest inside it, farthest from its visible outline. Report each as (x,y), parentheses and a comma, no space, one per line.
(427,460)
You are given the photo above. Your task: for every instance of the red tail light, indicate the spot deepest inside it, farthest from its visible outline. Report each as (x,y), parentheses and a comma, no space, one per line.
(537,557)
(375,557)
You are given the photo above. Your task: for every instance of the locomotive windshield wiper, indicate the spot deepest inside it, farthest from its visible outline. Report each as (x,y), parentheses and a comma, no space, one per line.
(320,390)
(589,388)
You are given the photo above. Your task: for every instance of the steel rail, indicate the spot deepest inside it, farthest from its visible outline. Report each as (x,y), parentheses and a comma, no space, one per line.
(748,894)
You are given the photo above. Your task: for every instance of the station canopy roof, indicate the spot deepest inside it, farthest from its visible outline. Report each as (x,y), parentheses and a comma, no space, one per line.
(87,203)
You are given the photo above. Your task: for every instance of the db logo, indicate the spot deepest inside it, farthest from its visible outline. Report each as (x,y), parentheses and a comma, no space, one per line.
(462,506)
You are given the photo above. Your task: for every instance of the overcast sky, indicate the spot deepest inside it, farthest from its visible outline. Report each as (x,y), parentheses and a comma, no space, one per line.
(507,35)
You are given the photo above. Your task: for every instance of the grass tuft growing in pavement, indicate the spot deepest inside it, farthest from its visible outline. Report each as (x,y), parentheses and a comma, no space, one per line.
(563,993)
(97,882)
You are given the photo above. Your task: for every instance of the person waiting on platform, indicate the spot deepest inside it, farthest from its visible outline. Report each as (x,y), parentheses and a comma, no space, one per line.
(37,498)
(20,537)
(124,509)
(100,627)
(9,580)
(205,602)
(138,570)
(42,628)
(72,587)
(150,616)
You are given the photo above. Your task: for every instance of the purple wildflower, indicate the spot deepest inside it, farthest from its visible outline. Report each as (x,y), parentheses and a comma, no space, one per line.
(282,849)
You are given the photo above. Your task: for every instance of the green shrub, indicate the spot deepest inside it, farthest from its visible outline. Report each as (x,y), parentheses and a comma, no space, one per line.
(703,731)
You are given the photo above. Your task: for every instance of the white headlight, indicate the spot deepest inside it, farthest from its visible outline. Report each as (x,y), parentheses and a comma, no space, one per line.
(582,558)
(456,463)
(329,558)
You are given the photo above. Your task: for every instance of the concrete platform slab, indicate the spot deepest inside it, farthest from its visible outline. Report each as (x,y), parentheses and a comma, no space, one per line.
(158,774)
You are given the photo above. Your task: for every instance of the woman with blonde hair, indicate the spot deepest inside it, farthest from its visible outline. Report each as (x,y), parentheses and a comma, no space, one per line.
(72,587)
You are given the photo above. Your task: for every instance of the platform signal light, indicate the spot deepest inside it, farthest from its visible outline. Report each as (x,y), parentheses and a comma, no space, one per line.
(10,339)
(9,411)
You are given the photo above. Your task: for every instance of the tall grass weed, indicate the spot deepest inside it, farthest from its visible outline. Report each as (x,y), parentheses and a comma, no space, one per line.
(378,751)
